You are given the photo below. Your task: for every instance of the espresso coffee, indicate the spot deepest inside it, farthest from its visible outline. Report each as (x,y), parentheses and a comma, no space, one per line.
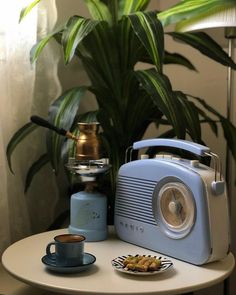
(69,238)
(69,249)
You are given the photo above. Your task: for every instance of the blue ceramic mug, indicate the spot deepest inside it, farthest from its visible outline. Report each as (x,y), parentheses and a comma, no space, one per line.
(69,249)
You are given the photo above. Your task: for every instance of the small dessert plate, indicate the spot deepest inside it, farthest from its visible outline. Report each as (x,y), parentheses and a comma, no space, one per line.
(51,264)
(118,265)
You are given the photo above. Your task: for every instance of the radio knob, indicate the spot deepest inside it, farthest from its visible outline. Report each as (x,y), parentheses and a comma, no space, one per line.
(144,156)
(158,156)
(194,163)
(166,156)
(176,158)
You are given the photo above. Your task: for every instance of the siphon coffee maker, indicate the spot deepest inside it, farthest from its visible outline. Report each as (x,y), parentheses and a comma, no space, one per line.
(88,208)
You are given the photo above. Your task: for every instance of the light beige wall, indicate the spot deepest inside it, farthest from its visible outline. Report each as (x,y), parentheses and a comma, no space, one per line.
(210,83)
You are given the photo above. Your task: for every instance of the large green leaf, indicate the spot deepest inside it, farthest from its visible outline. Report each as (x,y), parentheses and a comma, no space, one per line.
(110,107)
(187,9)
(101,47)
(77,29)
(159,88)
(131,6)
(99,10)
(34,169)
(62,114)
(129,45)
(87,117)
(110,141)
(17,138)
(140,116)
(178,59)
(95,75)
(39,46)
(191,116)
(113,7)
(68,150)
(170,58)
(206,45)
(27,9)
(205,118)
(138,110)
(150,33)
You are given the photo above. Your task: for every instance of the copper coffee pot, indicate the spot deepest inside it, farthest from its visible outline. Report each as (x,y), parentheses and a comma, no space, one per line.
(88,143)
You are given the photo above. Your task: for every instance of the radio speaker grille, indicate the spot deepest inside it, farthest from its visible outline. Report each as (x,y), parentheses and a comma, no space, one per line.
(134,199)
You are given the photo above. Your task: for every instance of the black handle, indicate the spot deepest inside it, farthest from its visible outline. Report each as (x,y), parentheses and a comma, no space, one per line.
(44,123)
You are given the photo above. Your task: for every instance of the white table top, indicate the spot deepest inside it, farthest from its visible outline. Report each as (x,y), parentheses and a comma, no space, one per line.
(23,261)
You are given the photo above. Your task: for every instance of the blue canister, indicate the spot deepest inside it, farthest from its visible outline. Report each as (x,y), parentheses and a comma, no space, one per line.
(88,215)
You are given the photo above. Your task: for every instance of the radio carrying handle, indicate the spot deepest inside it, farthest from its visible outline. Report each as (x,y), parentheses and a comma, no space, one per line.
(192,147)
(186,145)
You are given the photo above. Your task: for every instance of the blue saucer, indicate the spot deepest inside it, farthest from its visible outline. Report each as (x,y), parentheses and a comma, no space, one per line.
(50,263)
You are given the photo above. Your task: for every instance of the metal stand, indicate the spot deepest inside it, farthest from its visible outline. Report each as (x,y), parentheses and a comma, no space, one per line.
(230,34)
(88,208)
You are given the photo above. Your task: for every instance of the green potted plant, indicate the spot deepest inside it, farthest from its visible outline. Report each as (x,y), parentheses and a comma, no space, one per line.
(110,44)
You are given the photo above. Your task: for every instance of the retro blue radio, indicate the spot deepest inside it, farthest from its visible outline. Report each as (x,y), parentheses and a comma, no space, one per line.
(172,205)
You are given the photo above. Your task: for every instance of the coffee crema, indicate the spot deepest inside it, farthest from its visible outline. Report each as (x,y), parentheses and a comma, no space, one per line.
(69,238)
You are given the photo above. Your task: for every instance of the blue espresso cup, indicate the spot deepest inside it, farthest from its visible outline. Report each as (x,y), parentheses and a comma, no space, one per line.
(69,249)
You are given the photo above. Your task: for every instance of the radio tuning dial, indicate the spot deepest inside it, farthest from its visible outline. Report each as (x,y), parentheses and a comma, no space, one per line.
(176,209)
